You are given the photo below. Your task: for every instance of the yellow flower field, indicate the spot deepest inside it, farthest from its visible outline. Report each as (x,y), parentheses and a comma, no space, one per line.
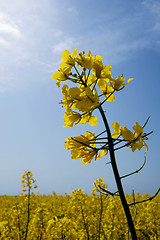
(75,215)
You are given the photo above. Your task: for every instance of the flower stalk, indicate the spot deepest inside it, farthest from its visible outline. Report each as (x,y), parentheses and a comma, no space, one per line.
(117,177)
(81,101)
(27,185)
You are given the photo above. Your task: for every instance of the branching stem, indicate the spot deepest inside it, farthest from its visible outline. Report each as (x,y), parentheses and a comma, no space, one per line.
(137,171)
(117,177)
(145,200)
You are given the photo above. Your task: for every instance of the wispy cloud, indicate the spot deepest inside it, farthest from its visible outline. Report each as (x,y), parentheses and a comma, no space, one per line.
(153,6)
(116,38)
(8,28)
(13,50)
(67,43)
(124,50)
(36,37)
(153,9)
(10,34)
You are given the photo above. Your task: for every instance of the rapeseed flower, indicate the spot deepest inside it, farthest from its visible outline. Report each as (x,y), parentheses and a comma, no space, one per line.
(84,146)
(136,139)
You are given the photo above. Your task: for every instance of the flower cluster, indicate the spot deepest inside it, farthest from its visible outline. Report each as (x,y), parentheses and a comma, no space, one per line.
(27,181)
(135,140)
(94,86)
(79,102)
(83,99)
(97,184)
(84,147)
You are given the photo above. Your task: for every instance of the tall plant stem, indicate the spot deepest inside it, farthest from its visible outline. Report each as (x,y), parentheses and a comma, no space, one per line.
(28,214)
(117,177)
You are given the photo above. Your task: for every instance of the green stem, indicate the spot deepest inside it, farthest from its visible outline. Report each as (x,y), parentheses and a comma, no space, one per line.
(117,177)
(28,212)
(100,217)
(85,224)
(19,226)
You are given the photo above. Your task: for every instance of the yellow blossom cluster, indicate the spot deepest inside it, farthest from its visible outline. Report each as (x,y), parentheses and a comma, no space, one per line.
(91,63)
(94,86)
(135,140)
(84,147)
(79,102)
(97,184)
(27,181)
(82,99)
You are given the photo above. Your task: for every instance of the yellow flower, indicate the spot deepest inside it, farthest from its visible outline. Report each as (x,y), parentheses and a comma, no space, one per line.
(102,153)
(117,129)
(127,134)
(70,118)
(27,181)
(134,140)
(106,72)
(92,120)
(88,156)
(138,129)
(61,75)
(91,80)
(23,186)
(138,132)
(86,101)
(83,146)
(81,99)
(98,182)
(84,61)
(97,66)
(79,141)
(68,59)
(23,175)
(119,84)
(67,100)
(106,90)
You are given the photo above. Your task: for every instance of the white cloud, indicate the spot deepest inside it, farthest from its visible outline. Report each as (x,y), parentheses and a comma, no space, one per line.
(8,26)
(25,43)
(37,36)
(9,29)
(68,43)
(13,51)
(119,49)
(11,40)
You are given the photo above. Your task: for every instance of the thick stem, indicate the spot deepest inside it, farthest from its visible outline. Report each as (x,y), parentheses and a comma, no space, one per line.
(117,177)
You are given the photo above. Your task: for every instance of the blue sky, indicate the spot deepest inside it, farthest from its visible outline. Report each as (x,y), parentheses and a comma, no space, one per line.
(33,35)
